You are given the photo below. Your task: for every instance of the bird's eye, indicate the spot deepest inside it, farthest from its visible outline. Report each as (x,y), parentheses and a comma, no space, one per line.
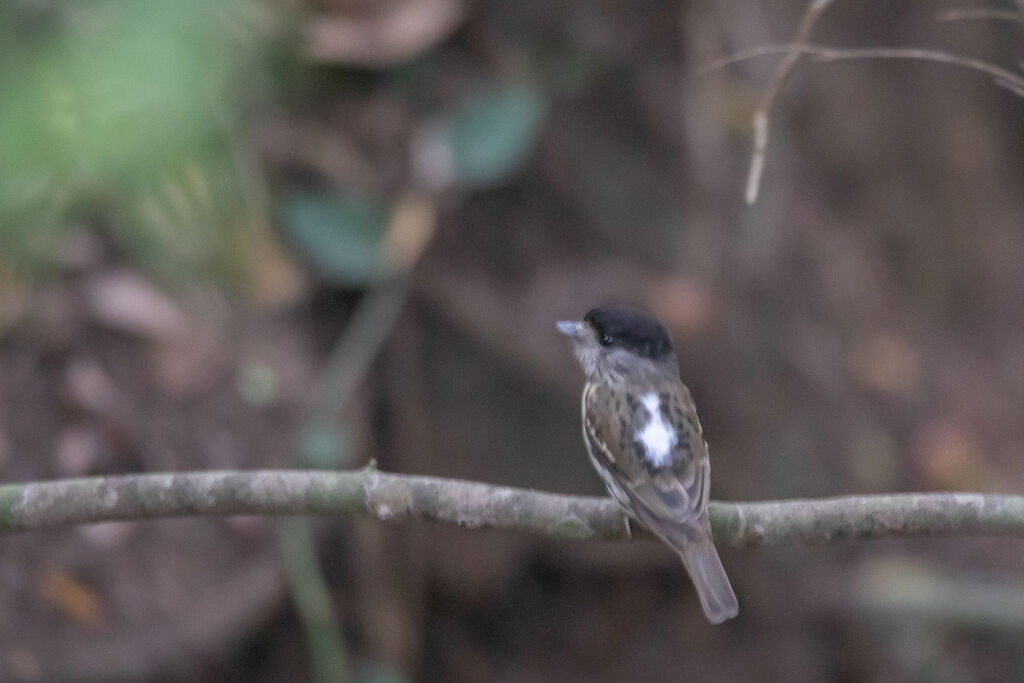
(605,339)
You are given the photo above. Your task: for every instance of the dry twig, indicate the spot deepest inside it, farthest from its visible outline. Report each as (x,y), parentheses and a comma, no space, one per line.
(981,13)
(1005,78)
(764,105)
(798,47)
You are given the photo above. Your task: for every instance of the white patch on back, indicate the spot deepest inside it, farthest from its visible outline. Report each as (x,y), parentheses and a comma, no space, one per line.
(657,435)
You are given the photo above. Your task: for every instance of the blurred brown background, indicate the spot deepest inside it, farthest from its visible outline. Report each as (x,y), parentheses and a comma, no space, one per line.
(252,234)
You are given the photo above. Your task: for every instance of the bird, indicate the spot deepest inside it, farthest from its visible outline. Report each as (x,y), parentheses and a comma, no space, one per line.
(644,439)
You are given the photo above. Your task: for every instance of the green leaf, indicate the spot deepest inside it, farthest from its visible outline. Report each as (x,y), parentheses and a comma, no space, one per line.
(341,236)
(257,384)
(323,446)
(492,133)
(382,673)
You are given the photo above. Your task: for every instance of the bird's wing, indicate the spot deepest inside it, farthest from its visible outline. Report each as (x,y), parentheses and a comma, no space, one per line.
(651,454)
(653,450)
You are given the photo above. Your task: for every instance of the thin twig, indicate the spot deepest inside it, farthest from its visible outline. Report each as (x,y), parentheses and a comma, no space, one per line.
(368,493)
(764,105)
(980,13)
(1002,77)
(794,50)
(328,654)
(411,228)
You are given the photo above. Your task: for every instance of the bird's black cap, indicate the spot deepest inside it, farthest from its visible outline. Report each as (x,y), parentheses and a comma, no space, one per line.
(631,330)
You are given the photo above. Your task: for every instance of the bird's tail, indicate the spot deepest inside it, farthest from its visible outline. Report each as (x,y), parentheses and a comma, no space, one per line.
(708,575)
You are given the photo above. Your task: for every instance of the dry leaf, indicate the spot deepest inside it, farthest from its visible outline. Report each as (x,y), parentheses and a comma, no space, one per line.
(71,596)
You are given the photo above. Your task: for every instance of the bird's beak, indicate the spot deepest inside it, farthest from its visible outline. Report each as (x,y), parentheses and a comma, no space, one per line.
(570,328)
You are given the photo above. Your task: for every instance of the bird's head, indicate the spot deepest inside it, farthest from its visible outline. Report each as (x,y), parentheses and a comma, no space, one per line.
(615,342)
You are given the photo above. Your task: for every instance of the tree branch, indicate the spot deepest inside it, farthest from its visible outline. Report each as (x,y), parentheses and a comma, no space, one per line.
(369,493)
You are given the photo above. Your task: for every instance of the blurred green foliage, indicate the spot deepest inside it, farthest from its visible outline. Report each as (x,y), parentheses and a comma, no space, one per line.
(483,139)
(125,111)
(324,446)
(492,133)
(341,235)
(131,115)
(480,141)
